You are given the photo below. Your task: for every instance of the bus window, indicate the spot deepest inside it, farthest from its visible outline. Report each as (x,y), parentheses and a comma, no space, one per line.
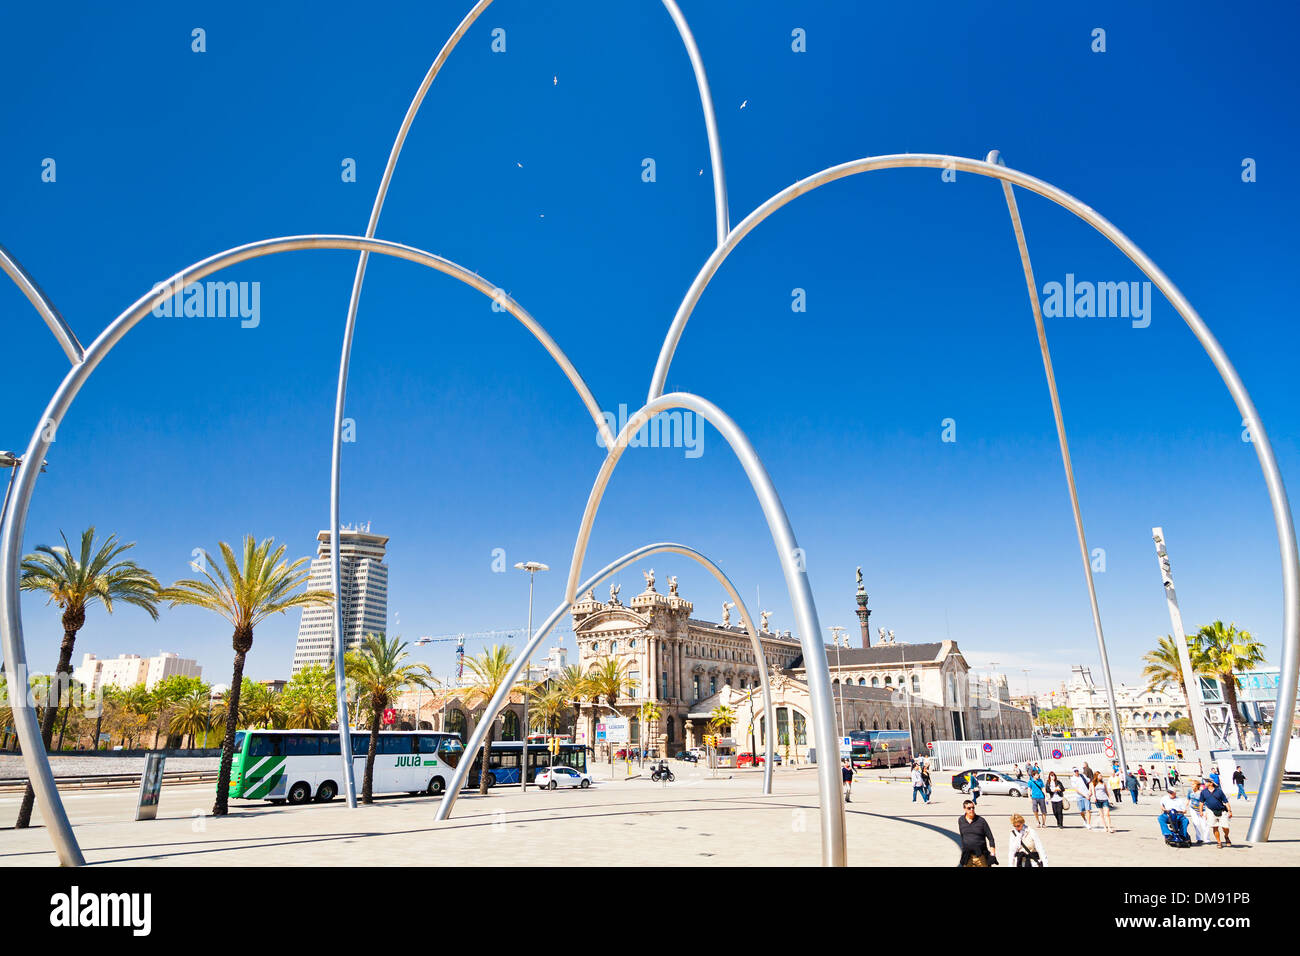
(264,745)
(427,744)
(396,744)
(360,745)
(450,749)
(505,759)
(301,745)
(329,744)
(239,741)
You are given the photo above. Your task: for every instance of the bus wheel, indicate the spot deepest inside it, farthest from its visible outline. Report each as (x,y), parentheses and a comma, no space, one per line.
(327,791)
(300,792)
(436,787)
(491,779)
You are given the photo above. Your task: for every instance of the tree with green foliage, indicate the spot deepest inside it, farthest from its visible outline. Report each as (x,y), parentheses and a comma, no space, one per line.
(378,668)
(1228,652)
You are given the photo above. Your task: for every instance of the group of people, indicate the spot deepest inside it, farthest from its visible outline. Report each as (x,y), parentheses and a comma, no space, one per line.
(1205,812)
(978,847)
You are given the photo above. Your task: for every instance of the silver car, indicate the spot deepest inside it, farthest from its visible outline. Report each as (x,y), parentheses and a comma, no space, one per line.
(992,783)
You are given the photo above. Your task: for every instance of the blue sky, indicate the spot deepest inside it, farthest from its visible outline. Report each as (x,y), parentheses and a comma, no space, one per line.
(526,166)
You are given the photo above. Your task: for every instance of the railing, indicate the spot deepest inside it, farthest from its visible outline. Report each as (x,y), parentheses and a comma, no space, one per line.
(110,780)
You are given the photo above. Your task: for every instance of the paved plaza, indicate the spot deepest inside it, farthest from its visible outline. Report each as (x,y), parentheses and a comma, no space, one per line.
(698,820)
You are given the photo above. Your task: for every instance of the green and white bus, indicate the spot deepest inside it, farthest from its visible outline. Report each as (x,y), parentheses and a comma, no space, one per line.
(301,765)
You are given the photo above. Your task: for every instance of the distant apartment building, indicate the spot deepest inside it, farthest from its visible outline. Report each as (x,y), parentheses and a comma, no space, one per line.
(363,592)
(131,670)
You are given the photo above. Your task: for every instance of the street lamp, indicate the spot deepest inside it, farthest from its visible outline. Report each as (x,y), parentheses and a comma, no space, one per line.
(993,690)
(10,460)
(835,635)
(532,567)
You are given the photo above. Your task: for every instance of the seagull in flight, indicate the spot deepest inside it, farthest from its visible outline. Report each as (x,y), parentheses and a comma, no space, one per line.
(520,165)
(742,105)
(555,81)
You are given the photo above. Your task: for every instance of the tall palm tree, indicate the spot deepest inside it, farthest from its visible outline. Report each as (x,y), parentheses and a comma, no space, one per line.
(1228,652)
(74,582)
(245,593)
(263,706)
(572,683)
(487,672)
(377,667)
(609,677)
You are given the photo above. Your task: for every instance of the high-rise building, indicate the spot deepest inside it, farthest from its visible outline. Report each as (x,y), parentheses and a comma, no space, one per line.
(363,591)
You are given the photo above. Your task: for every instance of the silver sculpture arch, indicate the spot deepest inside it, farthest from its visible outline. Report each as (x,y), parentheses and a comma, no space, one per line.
(498,701)
(354,301)
(817,669)
(1271,781)
(58,326)
(12,644)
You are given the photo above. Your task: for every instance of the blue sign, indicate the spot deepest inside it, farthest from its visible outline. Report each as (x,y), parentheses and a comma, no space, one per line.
(988,747)
(1057,755)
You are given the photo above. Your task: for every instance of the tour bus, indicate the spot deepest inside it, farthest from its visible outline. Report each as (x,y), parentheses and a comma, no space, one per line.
(301,765)
(295,766)
(880,748)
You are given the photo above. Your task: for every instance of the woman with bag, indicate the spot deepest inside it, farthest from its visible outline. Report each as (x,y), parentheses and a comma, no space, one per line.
(1056,797)
(1026,847)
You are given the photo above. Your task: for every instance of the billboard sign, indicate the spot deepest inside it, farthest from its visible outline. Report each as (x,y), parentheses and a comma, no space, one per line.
(146,805)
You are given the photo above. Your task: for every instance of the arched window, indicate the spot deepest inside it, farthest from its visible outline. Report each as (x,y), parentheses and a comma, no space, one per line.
(875,682)
(862,724)
(613,647)
(862,682)
(632,644)
(916,684)
(800,729)
(889,681)
(456,723)
(634,726)
(875,724)
(510,726)
(668,729)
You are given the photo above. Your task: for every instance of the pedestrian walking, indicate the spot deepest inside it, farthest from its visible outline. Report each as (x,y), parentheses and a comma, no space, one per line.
(1116,785)
(925,779)
(1027,848)
(1216,806)
(1082,797)
(973,781)
(1038,798)
(1018,772)
(1132,781)
(1101,801)
(1198,829)
(1056,797)
(1239,779)
(1142,775)
(846,774)
(977,844)
(918,784)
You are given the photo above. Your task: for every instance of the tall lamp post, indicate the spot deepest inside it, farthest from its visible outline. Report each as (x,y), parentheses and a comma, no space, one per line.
(532,567)
(993,690)
(835,635)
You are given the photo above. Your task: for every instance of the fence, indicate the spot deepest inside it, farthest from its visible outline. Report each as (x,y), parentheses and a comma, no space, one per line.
(956,754)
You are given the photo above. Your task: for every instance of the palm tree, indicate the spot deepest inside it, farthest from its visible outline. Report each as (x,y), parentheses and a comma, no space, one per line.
(487,672)
(376,666)
(191,716)
(572,683)
(1164,667)
(74,583)
(261,705)
(608,678)
(245,594)
(1228,652)
(649,714)
(308,698)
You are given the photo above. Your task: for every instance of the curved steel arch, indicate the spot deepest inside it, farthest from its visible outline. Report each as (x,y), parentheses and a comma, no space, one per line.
(11,637)
(796,580)
(498,700)
(345,360)
(1262,819)
(63,333)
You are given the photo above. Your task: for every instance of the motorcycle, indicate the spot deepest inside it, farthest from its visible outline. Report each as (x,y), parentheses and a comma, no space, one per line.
(662,772)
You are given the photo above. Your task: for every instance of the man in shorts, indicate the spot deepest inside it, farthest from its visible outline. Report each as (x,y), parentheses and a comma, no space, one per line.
(1216,806)
(1038,797)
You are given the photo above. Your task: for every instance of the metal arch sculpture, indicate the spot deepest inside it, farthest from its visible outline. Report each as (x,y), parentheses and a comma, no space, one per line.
(12,644)
(498,701)
(1271,781)
(349,327)
(59,327)
(831,797)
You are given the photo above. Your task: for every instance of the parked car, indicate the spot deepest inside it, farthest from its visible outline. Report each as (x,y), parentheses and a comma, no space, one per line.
(690,756)
(552,778)
(992,783)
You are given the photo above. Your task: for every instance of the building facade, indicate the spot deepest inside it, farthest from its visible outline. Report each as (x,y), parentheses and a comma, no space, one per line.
(131,670)
(363,589)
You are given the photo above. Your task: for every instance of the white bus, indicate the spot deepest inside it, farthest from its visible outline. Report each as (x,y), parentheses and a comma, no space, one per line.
(295,766)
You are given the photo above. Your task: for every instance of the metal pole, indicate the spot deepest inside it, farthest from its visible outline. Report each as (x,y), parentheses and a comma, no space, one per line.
(1191,680)
(63,333)
(797,585)
(528,673)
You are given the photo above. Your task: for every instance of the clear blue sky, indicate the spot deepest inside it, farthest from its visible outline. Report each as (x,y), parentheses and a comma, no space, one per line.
(469,439)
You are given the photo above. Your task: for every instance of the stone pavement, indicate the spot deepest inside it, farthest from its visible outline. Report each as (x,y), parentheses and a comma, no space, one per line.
(695,821)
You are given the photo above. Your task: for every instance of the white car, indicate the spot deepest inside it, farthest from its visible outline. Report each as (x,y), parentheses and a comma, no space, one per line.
(554,777)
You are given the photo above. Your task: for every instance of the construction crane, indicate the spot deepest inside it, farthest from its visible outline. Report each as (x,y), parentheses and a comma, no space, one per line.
(461,638)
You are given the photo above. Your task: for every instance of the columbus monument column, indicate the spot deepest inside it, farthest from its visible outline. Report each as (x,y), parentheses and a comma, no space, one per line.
(864,612)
